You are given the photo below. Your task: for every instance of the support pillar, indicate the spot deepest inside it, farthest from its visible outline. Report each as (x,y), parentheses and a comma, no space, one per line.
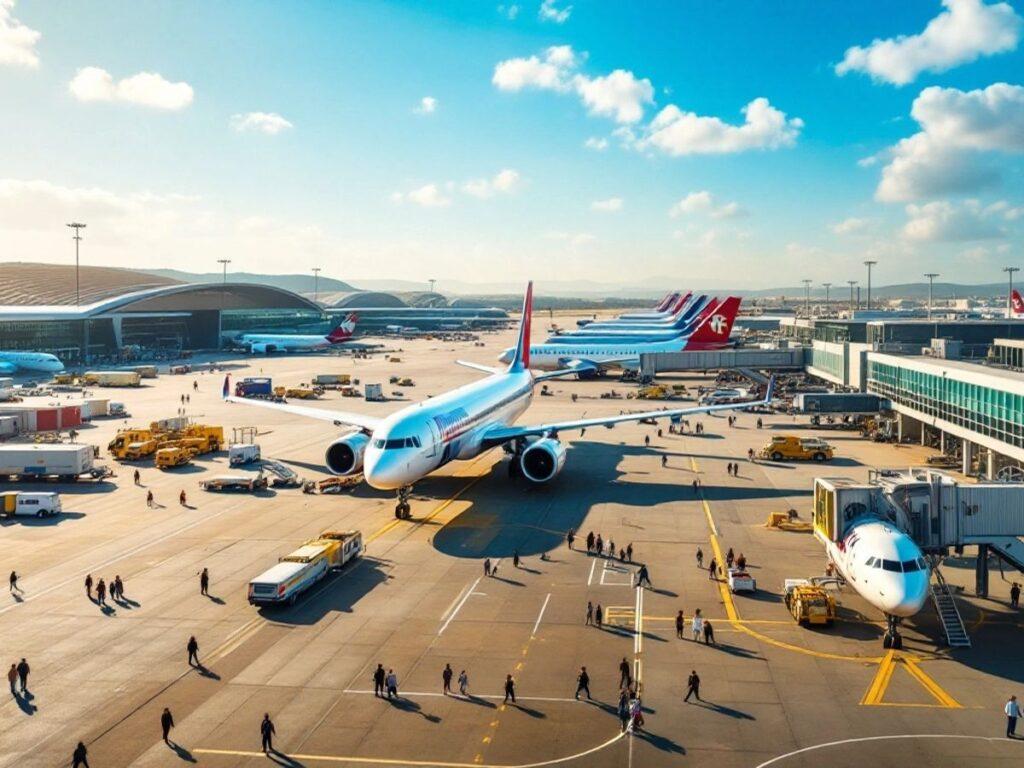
(942,441)
(990,465)
(968,457)
(981,572)
(924,435)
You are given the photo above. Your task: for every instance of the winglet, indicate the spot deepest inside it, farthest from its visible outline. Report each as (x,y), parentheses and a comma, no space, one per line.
(227,385)
(770,392)
(521,358)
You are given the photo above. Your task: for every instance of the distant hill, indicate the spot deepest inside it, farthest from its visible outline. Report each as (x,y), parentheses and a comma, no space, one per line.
(296,283)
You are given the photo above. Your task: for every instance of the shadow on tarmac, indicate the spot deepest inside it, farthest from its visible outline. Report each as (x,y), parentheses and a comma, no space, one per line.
(24,702)
(182,753)
(337,593)
(39,522)
(408,705)
(721,709)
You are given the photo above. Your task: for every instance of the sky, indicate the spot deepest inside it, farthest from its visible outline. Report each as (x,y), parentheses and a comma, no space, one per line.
(741,144)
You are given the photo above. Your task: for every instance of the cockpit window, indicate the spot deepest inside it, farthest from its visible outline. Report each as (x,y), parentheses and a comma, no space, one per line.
(870,562)
(909,566)
(923,563)
(396,442)
(878,562)
(891,565)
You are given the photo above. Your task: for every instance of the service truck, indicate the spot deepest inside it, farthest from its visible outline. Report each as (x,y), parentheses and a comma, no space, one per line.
(112,379)
(243,453)
(23,504)
(788,447)
(301,569)
(67,461)
(254,386)
(332,379)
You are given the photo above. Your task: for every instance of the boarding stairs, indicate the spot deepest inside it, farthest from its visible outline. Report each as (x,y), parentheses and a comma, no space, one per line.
(284,476)
(949,615)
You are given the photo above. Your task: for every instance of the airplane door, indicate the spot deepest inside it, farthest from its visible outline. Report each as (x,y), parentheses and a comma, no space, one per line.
(435,439)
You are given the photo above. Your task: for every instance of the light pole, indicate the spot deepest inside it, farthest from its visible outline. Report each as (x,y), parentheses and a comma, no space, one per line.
(432,282)
(1009,296)
(826,286)
(931,279)
(851,284)
(77,238)
(869,264)
(316,284)
(225,263)
(807,295)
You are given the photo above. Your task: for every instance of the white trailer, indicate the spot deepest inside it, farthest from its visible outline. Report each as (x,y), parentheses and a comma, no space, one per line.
(64,461)
(243,453)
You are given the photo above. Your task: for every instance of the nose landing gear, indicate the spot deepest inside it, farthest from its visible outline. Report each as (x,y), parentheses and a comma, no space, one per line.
(402,509)
(892,637)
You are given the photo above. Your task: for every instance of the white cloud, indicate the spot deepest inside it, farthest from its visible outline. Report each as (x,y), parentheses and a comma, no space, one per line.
(427,106)
(850,226)
(506,180)
(620,95)
(965,31)
(942,221)
(597,144)
(548,73)
(550,12)
(269,123)
(611,205)
(676,132)
(943,158)
(146,88)
(1007,211)
(509,11)
(427,196)
(17,42)
(703,203)
(977,253)
(576,241)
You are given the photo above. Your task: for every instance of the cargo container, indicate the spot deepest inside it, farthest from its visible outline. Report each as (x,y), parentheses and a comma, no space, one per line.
(243,453)
(145,371)
(303,568)
(65,460)
(172,424)
(259,386)
(840,402)
(24,504)
(111,379)
(374,392)
(9,426)
(331,379)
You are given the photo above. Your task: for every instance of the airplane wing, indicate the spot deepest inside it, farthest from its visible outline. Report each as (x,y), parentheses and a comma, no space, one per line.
(477,366)
(500,435)
(581,365)
(361,420)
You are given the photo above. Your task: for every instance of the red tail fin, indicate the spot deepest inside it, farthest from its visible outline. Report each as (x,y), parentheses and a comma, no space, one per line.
(344,331)
(714,332)
(678,306)
(1017,302)
(664,303)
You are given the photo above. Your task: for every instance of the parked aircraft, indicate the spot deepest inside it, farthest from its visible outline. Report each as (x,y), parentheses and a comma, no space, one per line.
(10,362)
(1017,302)
(265,343)
(696,312)
(397,451)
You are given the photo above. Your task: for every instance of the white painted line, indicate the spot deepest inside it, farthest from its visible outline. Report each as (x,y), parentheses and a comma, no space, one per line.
(540,615)
(1002,740)
(451,605)
(458,607)
(590,578)
(638,639)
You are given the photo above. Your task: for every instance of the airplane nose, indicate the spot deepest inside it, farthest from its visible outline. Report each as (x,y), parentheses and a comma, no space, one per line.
(904,596)
(382,472)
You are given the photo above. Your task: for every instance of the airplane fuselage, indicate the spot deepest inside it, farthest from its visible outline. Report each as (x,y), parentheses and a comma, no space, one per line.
(284,343)
(30,361)
(551,357)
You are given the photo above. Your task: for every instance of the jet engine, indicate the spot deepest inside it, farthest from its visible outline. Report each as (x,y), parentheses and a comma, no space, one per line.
(542,460)
(345,455)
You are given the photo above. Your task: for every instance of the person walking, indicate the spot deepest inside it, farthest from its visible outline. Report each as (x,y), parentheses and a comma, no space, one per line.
(643,577)
(88,585)
(692,686)
(446,679)
(463,682)
(647,441)
(487,566)
(636,711)
(182,497)
(119,586)
(582,683)
(14,582)
(267,732)
(149,499)
(712,570)
(101,592)
(700,557)
(23,670)
(709,633)
(570,537)
(193,651)
(598,616)
(629,552)
(696,486)
(510,689)
(515,558)
(625,674)
(166,723)
(664,460)
(1012,710)
(1015,595)
(680,624)
(623,711)
(741,562)
(137,476)
(599,545)
(590,614)
(204,582)
(79,758)
(12,677)
(392,683)
(590,542)
(729,558)
(611,549)
(697,625)
(378,680)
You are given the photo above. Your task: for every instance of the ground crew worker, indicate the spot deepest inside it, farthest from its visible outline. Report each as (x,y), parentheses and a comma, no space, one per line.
(598,616)
(700,557)
(623,711)
(193,651)
(664,460)
(119,586)
(267,733)
(446,676)
(741,562)
(1015,595)
(195,386)
(599,545)
(14,582)
(166,723)
(23,670)
(629,552)
(88,585)
(1012,710)
(729,557)
(570,537)
(463,682)
(611,549)
(78,757)
(696,486)
(487,567)
(101,592)
(647,441)
(582,683)
(590,542)
(712,569)
(12,676)
(590,614)
(680,623)
(392,683)
(625,674)
(149,498)
(378,680)
(515,558)
(181,497)
(642,576)
(693,686)
(204,582)
(697,625)
(138,476)
(510,689)
(709,633)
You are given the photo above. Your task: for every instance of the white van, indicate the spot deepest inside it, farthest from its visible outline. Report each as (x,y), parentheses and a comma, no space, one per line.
(21,504)
(243,453)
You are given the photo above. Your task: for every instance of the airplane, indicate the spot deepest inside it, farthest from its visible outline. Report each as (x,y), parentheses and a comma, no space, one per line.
(265,343)
(397,451)
(663,309)
(1017,302)
(884,566)
(682,325)
(29,361)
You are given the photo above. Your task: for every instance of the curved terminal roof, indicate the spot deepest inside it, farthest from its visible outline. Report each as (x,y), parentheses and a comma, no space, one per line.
(364,299)
(27,284)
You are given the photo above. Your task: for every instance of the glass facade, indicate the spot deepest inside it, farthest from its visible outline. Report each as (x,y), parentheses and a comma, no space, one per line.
(830,362)
(985,410)
(1010,355)
(235,321)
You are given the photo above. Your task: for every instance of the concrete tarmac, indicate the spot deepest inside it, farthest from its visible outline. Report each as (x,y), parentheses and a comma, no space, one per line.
(772,693)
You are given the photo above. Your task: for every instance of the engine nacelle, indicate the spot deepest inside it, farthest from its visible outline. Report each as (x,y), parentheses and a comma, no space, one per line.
(345,455)
(542,460)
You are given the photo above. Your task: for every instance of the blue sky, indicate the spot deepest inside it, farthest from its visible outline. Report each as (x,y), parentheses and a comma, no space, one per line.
(286,136)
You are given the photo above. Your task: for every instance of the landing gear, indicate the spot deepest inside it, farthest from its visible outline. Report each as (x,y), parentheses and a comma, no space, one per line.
(402,508)
(892,638)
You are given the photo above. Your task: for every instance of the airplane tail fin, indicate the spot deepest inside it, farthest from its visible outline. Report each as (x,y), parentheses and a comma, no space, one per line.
(664,303)
(1017,302)
(344,330)
(521,358)
(713,332)
(227,385)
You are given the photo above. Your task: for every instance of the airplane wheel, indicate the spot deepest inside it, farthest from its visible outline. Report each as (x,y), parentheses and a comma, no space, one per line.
(897,642)
(887,640)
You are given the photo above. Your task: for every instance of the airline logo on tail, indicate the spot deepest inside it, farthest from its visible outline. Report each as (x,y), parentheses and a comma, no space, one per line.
(344,331)
(1017,302)
(713,332)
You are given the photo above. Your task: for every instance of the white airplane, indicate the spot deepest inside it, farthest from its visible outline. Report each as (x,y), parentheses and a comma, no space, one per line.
(395,452)
(884,565)
(29,361)
(265,343)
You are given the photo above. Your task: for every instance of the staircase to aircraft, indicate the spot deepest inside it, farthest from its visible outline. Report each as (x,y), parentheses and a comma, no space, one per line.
(949,615)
